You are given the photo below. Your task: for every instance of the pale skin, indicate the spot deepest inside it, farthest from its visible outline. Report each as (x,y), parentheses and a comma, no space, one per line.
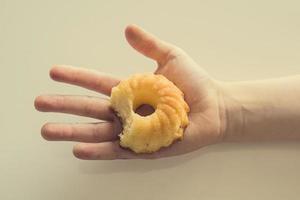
(219,111)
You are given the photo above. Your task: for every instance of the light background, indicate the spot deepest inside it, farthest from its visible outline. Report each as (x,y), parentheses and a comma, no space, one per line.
(232,40)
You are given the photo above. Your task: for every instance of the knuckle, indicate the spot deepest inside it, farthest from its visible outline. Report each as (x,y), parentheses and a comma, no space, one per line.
(68,133)
(175,52)
(95,133)
(59,102)
(87,110)
(116,151)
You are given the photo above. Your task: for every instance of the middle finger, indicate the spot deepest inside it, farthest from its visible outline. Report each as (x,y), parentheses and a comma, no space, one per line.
(93,107)
(85,132)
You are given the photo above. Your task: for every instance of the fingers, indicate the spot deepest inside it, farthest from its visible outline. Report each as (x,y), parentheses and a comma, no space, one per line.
(78,105)
(91,132)
(148,44)
(86,78)
(98,151)
(110,151)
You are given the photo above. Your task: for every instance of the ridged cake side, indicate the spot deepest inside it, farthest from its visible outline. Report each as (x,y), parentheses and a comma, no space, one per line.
(146,134)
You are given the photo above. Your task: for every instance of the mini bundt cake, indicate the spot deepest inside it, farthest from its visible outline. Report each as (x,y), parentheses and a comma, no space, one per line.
(147,134)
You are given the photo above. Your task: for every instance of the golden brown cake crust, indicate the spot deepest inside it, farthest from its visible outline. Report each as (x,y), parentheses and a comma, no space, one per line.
(147,134)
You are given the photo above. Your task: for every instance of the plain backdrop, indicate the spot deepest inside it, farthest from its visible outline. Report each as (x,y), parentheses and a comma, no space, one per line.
(233,40)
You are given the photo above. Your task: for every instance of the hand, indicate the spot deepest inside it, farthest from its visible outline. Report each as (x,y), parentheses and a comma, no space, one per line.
(100,140)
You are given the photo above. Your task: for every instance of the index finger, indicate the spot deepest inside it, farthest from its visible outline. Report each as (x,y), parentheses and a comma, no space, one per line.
(87,78)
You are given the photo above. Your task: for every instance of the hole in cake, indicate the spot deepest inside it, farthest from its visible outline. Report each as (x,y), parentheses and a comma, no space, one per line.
(144,110)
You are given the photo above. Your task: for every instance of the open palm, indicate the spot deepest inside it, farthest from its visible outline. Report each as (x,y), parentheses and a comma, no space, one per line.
(100,140)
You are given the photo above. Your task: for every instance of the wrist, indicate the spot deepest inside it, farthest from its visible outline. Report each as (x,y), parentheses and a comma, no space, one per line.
(260,110)
(232,114)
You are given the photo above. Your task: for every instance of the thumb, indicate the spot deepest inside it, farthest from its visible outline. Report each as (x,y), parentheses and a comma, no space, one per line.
(147,44)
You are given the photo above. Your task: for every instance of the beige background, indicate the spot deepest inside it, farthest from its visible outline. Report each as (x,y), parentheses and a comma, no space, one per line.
(233,40)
